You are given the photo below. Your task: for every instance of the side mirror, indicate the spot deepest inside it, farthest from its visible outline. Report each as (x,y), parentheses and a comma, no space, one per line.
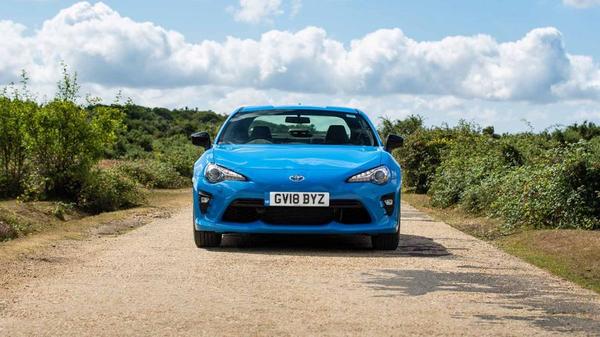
(201,139)
(393,142)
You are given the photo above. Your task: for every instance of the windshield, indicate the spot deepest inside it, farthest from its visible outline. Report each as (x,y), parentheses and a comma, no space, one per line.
(298,127)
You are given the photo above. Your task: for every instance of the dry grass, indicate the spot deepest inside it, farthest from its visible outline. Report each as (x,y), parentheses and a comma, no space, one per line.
(481,227)
(571,254)
(45,227)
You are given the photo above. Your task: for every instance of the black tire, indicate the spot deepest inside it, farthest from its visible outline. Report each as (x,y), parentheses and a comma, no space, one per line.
(385,241)
(207,239)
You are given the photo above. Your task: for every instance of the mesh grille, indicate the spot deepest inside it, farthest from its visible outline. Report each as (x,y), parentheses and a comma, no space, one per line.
(342,211)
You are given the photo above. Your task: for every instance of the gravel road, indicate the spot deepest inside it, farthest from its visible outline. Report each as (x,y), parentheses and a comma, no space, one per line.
(154,281)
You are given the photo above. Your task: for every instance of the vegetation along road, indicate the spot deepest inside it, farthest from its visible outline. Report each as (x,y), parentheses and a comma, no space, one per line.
(154,281)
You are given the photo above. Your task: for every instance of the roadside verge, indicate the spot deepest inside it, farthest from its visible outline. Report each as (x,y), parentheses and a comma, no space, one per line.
(571,254)
(41,245)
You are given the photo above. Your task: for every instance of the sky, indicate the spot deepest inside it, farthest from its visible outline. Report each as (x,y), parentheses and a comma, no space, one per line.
(512,64)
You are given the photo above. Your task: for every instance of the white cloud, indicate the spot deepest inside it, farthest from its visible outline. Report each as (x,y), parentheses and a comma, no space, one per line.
(583,80)
(581,3)
(384,70)
(256,11)
(109,49)
(12,44)
(296,6)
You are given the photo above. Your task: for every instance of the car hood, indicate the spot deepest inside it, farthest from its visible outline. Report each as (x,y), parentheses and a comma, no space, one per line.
(342,158)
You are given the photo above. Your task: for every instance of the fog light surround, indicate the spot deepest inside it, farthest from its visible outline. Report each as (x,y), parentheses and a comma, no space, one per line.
(388,202)
(204,199)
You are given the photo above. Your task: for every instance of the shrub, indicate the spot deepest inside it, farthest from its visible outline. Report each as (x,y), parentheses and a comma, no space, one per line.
(402,127)
(109,190)
(560,193)
(420,156)
(526,179)
(12,225)
(152,173)
(67,141)
(62,209)
(423,149)
(179,153)
(16,114)
(478,198)
(6,231)
(466,165)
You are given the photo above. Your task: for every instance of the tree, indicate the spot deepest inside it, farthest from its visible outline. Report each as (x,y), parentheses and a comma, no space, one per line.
(16,112)
(402,127)
(67,139)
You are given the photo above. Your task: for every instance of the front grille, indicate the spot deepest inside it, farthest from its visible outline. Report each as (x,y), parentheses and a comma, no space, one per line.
(342,211)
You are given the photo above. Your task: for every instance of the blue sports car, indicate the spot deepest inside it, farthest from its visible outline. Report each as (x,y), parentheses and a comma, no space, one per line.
(297,170)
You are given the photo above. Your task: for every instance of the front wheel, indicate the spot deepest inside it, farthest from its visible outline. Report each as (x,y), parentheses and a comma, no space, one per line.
(385,241)
(205,239)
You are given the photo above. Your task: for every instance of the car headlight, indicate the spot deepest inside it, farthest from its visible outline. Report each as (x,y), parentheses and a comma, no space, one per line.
(379,175)
(215,173)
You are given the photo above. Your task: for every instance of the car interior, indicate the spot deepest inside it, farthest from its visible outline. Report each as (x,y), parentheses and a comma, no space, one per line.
(299,129)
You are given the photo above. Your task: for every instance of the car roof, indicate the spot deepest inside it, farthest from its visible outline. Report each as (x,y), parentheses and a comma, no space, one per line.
(299,107)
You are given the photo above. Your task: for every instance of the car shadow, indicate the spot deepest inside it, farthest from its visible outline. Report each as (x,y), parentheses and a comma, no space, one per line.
(549,306)
(329,245)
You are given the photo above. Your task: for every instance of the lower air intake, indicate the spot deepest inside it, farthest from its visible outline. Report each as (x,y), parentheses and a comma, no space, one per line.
(341,211)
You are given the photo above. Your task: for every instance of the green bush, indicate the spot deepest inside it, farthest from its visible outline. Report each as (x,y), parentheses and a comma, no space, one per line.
(559,189)
(423,151)
(179,153)
(149,128)
(67,141)
(562,194)
(152,173)
(109,190)
(543,180)
(13,224)
(478,198)
(466,164)
(16,114)
(47,150)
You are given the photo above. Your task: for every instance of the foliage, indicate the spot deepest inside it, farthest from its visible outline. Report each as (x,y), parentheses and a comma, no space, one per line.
(403,127)
(109,190)
(563,193)
(573,133)
(467,161)
(178,152)
(50,150)
(152,173)
(423,148)
(6,231)
(16,115)
(550,179)
(67,141)
(62,209)
(47,150)
(149,128)
(157,140)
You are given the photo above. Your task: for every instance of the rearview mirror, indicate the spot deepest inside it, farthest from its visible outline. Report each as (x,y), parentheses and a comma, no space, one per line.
(201,139)
(393,142)
(297,120)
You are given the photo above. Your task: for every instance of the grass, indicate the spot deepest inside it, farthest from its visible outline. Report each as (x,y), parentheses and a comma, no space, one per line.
(570,254)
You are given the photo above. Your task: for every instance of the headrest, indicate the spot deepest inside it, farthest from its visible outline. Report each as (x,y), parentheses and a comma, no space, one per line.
(336,134)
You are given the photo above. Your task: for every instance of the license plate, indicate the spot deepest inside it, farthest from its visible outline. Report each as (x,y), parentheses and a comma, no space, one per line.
(299,199)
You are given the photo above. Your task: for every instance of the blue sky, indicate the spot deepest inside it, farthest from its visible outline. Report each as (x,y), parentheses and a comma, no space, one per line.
(510,61)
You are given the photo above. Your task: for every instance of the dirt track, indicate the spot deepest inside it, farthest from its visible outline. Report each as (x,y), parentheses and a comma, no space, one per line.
(154,281)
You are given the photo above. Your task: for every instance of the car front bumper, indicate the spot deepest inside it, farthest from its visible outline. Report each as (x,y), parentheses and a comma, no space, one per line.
(223,194)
